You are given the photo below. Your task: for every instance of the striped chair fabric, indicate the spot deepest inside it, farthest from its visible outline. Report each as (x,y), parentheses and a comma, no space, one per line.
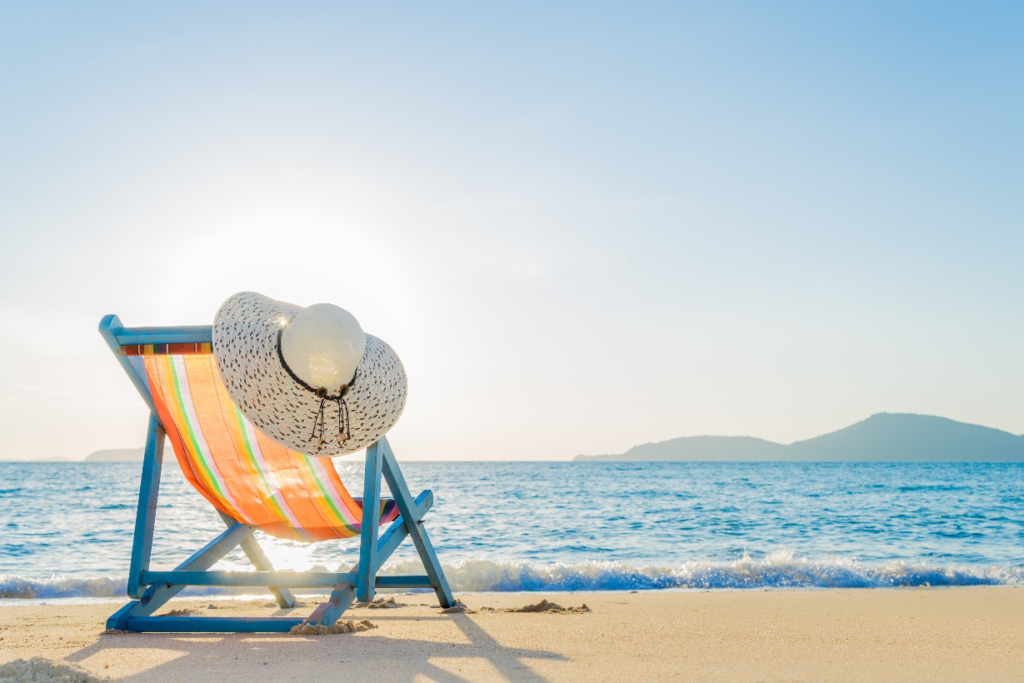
(240,471)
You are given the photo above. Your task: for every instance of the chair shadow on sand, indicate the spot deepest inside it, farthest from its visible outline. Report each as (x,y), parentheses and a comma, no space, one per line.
(229,656)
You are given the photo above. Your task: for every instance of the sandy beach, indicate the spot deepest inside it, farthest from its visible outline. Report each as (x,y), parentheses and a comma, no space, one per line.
(866,634)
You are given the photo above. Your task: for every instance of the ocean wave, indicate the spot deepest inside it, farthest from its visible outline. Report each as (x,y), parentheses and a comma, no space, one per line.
(13,586)
(781,569)
(55,587)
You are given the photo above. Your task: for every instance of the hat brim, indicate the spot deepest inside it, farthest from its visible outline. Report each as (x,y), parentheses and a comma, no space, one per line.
(245,338)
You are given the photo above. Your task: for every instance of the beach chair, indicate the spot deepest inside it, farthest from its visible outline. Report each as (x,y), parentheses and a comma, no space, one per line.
(253,483)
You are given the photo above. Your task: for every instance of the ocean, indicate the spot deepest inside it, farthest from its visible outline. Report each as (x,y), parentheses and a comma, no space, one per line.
(66,528)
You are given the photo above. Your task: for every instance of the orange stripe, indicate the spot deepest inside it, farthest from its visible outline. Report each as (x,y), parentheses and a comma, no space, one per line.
(233,467)
(300,492)
(158,385)
(226,411)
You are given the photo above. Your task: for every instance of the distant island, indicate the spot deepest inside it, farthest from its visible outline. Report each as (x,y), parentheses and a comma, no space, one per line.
(116,455)
(885,437)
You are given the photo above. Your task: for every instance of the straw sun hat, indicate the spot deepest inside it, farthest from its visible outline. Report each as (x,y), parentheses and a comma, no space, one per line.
(308,378)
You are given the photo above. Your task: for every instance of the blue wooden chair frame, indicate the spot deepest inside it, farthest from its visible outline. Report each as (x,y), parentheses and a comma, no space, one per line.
(152,589)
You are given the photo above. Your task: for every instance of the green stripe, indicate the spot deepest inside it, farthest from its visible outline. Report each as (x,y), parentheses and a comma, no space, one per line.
(191,433)
(256,466)
(326,495)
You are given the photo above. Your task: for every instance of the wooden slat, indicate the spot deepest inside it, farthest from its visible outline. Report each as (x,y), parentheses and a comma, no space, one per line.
(404,582)
(185,334)
(220,546)
(212,624)
(263,579)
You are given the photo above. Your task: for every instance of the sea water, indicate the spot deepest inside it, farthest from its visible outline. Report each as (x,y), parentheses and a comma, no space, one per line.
(66,529)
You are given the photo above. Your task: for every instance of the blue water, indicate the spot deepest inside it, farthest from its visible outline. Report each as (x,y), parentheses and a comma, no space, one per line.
(65,529)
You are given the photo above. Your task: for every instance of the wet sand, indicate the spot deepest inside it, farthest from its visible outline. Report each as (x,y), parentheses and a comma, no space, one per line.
(966,634)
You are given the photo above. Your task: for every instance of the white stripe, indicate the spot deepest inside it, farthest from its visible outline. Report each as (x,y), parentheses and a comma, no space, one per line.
(192,421)
(268,474)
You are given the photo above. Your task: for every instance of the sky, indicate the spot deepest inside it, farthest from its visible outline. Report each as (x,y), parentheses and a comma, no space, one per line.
(582,226)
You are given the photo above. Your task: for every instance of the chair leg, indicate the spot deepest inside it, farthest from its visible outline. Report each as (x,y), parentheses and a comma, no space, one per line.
(381,463)
(407,508)
(365,587)
(341,599)
(145,516)
(252,550)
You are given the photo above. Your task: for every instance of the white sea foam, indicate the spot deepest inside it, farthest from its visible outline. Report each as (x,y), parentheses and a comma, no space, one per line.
(780,569)
(14,586)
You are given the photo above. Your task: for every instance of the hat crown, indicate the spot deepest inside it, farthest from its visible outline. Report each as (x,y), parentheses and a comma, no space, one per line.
(323,345)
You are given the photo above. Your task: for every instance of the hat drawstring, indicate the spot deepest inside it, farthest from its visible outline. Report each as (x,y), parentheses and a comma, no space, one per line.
(344,427)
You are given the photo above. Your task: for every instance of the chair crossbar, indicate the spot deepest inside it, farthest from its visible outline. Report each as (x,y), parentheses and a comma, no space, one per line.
(404,582)
(200,334)
(262,579)
(276,579)
(212,624)
(208,555)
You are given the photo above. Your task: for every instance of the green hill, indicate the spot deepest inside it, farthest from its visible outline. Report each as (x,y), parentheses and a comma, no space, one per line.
(116,455)
(881,437)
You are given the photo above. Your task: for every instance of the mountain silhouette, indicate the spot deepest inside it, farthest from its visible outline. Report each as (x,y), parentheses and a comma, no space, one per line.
(116,455)
(882,437)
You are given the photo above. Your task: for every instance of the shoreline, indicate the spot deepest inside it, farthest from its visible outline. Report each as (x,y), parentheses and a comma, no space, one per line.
(403,593)
(780,569)
(947,633)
